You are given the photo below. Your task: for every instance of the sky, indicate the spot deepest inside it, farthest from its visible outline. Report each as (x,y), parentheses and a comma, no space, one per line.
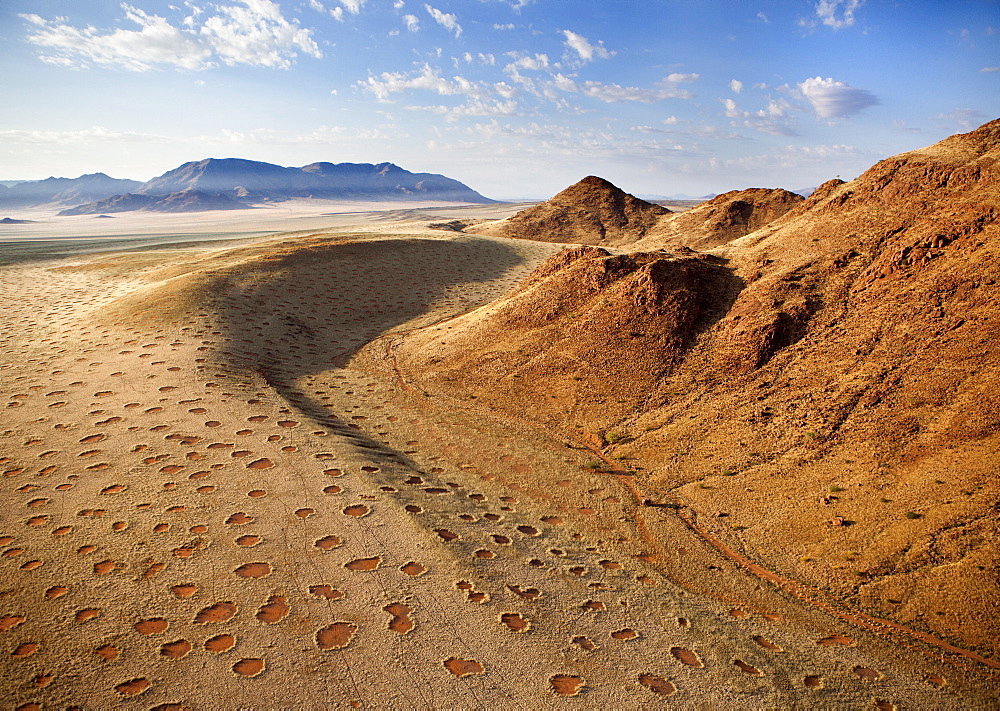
(515,98)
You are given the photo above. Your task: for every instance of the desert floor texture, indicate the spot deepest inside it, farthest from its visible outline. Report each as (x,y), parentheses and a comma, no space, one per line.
(221,490)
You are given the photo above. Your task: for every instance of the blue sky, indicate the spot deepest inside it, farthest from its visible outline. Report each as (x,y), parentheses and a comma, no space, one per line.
(517,98)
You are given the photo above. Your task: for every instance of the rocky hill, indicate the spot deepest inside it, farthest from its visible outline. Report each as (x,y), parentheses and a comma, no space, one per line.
(183,201)
(592,211)
(721,219)
(822,390)
(64,191)
(257,181)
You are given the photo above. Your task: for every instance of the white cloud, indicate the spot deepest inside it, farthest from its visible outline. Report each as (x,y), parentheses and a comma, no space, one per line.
(412,22)
(61,62)
(677,78)
(430,79)
(253,33)
(353,6)
(157,42)
(608,93)
(536,63)
(469,58)
(736,86)
(988,70)
(256,34)
(584,49)
(835,99)
(613,93)
(508,26)
(837,14)
(398,5)
(474,107)
(395,82)
(772,119)
(445,19)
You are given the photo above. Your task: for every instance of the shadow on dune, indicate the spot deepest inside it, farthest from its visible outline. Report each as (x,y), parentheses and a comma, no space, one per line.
(308,308)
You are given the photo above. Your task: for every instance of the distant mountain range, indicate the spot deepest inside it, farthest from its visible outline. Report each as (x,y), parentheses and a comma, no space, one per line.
(234,183)
(181,201)
(64,191)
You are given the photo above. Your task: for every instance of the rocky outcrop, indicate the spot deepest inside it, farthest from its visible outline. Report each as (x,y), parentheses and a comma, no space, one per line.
(592,211)
(722,219)
(585,339)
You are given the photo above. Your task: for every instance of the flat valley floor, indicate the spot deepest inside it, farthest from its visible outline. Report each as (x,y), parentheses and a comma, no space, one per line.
(220,491)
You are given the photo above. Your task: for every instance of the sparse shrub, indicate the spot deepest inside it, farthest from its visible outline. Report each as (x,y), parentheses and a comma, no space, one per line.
(728,472)
(884,500)
(911,515)
(836,489)
(593,465)
(613,437)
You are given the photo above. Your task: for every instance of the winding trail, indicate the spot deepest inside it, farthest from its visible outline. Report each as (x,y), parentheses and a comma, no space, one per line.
(641,491)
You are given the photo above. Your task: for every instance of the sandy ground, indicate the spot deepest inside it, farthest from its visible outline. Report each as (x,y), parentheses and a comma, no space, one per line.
(221,493)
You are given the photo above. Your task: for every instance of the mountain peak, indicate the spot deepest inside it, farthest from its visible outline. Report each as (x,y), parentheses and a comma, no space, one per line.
(249,181)
(592,211)
(722,219)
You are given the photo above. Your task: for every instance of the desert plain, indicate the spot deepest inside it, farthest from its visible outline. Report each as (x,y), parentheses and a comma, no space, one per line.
(233,478)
